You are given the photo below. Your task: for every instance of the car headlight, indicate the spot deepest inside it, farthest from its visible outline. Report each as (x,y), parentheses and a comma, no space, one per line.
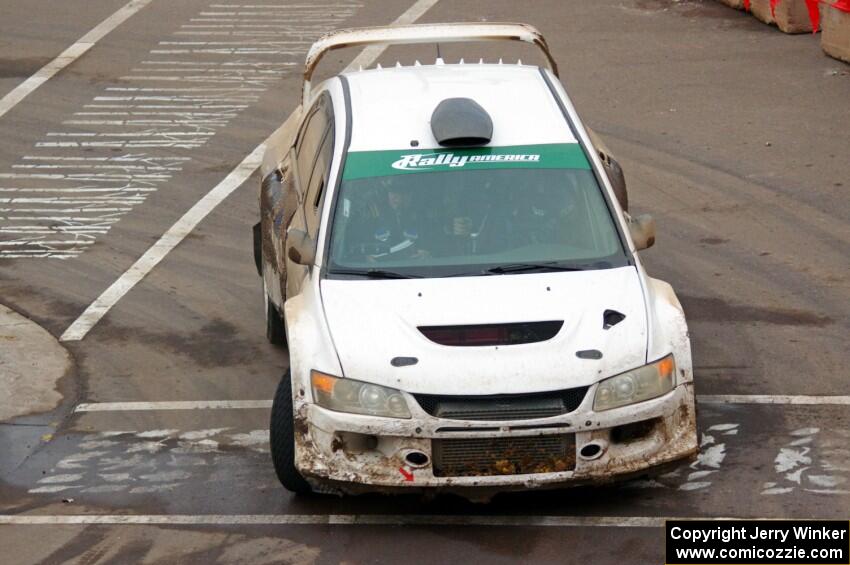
(643,383)
(347,395)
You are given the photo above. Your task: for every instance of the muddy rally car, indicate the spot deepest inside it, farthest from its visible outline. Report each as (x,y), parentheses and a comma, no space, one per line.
(447,251)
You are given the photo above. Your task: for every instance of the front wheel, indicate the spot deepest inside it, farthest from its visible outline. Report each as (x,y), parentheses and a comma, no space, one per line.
(282,439)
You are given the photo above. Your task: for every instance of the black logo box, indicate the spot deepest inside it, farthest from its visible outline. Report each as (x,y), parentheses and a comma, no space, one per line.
(802,536)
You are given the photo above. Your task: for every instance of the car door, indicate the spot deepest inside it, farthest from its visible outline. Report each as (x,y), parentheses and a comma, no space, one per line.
(309,146)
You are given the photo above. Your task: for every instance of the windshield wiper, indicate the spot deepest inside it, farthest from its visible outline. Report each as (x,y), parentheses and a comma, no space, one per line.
(521,267)
(374,274)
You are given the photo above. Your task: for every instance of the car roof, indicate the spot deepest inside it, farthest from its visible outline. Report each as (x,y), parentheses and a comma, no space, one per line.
(393,106)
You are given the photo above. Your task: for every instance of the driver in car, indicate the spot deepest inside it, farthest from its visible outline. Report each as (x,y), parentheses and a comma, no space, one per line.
(396,225)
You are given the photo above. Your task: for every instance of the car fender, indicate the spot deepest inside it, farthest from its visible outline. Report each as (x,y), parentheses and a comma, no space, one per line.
(668,329)
(275,203)
(309,338)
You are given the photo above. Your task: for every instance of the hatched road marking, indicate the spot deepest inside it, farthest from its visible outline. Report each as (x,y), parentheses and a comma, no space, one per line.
(176,233)
(168,103)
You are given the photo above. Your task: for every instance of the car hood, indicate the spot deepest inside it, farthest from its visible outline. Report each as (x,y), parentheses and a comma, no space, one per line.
(373,321)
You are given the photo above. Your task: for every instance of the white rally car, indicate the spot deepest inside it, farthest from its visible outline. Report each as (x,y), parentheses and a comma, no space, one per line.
(447,252)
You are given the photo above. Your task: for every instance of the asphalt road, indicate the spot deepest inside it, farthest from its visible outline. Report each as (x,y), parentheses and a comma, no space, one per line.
(732,134)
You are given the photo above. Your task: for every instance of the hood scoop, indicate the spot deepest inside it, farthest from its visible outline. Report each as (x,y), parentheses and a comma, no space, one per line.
(611,318)
(481,335)
(461,122)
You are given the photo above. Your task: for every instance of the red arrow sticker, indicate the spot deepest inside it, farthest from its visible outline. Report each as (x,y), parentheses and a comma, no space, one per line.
(408,475)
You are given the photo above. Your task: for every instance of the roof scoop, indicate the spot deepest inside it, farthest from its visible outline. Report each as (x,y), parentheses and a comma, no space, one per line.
(461,122)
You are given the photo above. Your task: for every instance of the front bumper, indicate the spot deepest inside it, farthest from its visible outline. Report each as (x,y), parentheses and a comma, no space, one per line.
(355,453)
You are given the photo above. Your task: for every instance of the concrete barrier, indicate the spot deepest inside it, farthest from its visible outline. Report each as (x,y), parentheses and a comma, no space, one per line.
(835,38)
(790,16)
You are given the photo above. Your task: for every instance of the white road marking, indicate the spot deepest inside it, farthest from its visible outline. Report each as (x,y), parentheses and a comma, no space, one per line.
(812,460)
(174,405)
(70,55)
(155,118)
(261,404)
(360,520)
(708,463)
(169,240)
(176,233)
(773,399)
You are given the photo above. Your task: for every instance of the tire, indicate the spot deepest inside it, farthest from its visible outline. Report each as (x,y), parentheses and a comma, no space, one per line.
(282,439)
(275,330)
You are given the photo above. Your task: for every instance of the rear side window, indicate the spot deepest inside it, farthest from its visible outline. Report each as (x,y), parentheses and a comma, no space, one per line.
(319,180)
(310,138)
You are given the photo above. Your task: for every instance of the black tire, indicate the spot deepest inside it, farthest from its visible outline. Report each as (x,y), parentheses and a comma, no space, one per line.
(282,439)
(275,330)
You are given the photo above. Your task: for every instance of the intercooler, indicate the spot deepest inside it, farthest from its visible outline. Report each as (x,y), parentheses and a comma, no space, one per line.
(465,457)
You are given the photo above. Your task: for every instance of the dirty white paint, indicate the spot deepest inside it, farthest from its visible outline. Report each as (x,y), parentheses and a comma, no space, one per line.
(156,433)
(700,474)
(52,489)
(711,457)
(174,405)
(253,438)
(798,399)
(150,461)
(815,460)
(792,458)
(66,478)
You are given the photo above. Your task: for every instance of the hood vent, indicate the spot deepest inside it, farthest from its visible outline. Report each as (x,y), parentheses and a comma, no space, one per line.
(492,334)
(461,122)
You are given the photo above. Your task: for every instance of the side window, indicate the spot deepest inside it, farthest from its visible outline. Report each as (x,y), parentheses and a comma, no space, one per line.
(309,139)
(319,181)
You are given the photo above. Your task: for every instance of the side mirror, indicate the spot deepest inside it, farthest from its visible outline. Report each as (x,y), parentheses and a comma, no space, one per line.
(301,248)
(642,230)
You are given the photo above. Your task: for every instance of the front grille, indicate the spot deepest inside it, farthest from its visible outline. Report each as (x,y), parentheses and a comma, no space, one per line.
(475,457)
(503,406)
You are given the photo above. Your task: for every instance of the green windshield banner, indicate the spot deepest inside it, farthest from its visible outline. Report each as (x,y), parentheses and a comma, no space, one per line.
(365,164)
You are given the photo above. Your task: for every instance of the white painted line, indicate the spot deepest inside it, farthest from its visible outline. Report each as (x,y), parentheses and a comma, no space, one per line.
(169,240)
(70,55)
(174,405)
(358,520)
(263,404)
(176,233)
(370,54)
(801,400)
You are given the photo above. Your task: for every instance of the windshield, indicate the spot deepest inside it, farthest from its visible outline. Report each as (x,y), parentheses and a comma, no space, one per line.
(471,212)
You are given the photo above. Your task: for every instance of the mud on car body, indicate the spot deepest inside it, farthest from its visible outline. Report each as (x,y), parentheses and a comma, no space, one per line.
(447,251)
